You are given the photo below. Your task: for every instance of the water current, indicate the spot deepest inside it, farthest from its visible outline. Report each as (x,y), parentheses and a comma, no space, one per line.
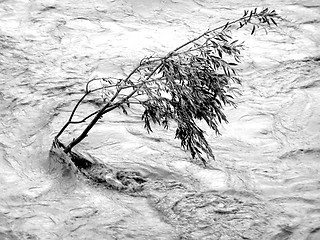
(265,181)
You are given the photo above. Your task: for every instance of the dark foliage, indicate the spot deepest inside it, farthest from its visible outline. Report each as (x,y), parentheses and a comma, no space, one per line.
(190,84)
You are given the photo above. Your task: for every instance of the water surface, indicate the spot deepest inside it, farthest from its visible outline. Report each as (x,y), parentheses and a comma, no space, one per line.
(265,181)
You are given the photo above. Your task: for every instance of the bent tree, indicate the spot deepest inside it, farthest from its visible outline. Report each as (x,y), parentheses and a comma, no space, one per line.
(192,83)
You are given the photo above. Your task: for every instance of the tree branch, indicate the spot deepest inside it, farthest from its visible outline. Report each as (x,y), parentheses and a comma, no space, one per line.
(197,80)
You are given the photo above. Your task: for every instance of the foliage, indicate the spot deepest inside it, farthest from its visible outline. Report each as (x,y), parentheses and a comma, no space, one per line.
(190,84)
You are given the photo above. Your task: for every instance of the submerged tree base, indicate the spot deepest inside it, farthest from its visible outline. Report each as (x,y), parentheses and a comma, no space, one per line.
(229,214)
(195,213)
(96,172)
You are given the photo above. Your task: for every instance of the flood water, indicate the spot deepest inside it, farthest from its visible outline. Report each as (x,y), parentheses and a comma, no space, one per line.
(265,181)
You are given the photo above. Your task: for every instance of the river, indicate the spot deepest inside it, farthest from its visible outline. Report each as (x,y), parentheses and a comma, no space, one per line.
(265,181)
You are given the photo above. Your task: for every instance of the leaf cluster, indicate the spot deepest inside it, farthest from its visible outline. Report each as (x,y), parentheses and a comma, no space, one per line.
(262,19)
(195,85)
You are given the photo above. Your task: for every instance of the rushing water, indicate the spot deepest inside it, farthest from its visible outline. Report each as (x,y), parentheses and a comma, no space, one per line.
(265,182)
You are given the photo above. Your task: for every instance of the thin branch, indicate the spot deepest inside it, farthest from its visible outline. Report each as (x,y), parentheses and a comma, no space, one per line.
(84,119)
(106,108)
(244,18)
(71,115)
(87,85)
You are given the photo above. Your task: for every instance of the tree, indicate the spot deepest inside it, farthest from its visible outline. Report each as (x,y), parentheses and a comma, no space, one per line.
(191,83)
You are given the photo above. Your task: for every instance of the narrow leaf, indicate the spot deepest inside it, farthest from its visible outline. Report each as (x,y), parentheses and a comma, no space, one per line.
(274,22)
(226,26)
(253,29)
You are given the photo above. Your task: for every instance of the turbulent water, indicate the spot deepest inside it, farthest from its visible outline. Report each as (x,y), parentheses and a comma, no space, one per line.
(265,181)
